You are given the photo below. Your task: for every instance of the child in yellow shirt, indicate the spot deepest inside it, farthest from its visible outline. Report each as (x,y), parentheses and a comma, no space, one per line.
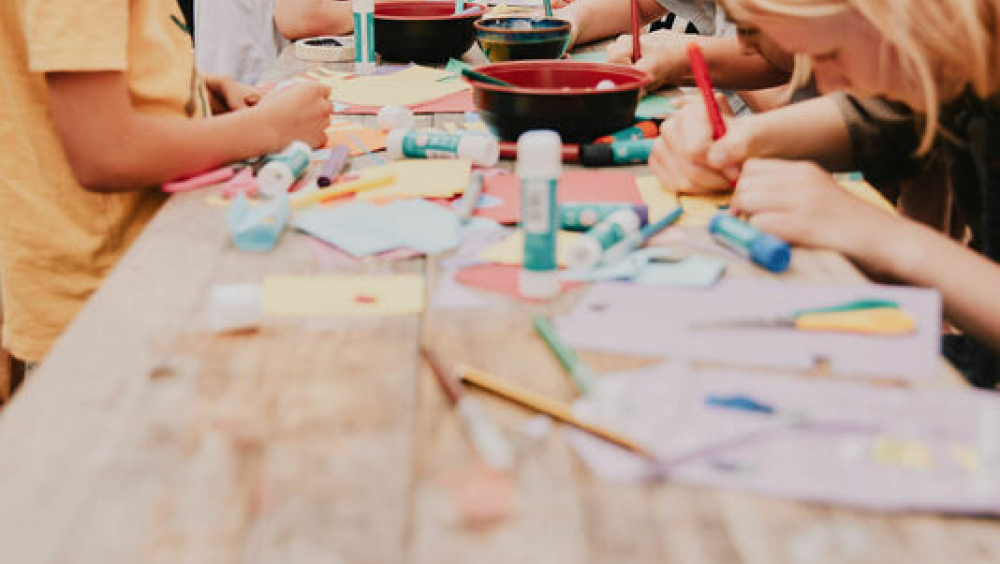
(95,113)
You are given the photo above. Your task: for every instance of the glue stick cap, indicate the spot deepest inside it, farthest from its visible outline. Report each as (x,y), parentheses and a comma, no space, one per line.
(395,117)
(539,285)
(770,252)
(539,154)
(483,150)
(394,143)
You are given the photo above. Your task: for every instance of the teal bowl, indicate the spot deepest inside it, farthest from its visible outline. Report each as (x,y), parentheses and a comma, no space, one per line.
(523,38)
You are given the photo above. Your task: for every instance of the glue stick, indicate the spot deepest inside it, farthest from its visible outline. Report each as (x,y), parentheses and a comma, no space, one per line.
(763,249)
(539,166)
(617,153)
(586,252)
(283,169)
(482,150)
(364,33)
(582,217)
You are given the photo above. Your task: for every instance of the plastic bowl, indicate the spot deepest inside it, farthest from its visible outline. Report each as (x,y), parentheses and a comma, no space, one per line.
(517,39)
(424,32)
(561,96)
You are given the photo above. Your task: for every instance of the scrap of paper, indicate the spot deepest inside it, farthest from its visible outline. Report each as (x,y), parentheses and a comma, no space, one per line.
(698,210)
(692,272)
(576,186)
(499,279)
(359,141)
(310,296)
(413,85)
(510,251)
(257,228)
(421,178)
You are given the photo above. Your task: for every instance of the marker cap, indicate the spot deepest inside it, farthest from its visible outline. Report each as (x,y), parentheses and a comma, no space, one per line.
(770,252)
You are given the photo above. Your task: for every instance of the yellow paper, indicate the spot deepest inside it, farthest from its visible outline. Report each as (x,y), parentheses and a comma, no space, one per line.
(511,250)
(421,178)
(414,85)
(905,454)
(343,295)
(698,210)
(868,193)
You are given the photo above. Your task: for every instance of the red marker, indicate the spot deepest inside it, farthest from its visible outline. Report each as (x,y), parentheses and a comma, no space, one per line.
(700,70)
(636,23)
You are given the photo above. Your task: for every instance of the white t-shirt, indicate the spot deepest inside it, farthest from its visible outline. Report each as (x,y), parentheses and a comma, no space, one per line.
(705,16)
(236,38)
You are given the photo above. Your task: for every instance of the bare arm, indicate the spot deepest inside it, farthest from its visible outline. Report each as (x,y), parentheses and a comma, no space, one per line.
(113,148)
(297,19)
(598,19)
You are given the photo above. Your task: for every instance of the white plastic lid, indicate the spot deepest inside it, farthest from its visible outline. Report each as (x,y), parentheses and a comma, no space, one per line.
(585,253)
(233,307)
(539,154)
(628,219)
(275,179)
(395,117)
(480,149)
(363,5)
(394,143)
(539,285)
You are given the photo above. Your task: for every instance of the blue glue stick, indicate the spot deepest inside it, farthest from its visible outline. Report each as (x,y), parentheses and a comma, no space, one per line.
(539,166)
(364,32)
(761,248)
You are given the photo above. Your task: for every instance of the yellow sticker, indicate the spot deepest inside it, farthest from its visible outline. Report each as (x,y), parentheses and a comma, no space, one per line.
(905,454)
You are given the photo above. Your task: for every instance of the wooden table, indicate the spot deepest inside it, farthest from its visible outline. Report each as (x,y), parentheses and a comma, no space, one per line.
(146,438)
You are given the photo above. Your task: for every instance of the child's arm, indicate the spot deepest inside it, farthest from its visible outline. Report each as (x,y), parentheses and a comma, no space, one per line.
(227,95)
(664,57)
(113,148)
(297,19)
(596,19)
(686,159)
(802,204)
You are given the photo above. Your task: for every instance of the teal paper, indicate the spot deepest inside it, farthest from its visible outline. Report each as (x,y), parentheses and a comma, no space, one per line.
(653,106)
(693,272)
(591,56)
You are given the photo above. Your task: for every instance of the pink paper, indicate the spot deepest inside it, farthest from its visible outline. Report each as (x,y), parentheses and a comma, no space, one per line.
(499,279)
(656,321)
(574,187)
(458,102)
(818,447)
(332,258)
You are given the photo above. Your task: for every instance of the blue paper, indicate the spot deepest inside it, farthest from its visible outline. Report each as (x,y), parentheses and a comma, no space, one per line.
(654,106)
(591,56)
(693,272)
(257,228)
(422,226)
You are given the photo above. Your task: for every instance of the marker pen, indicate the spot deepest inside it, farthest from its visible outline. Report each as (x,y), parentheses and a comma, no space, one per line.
(584,216)
(586,252)
(617,153)
(763,249)
(641,130)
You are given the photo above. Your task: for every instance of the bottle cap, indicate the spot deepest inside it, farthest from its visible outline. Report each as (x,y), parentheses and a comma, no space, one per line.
(770,252)
(483,150)
(394,143)
(539,285)
(584,254)
(539,154)
(395,117)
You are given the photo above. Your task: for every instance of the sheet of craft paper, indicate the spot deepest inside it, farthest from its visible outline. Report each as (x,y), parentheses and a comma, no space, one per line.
(421,178)
(574,187)
(413,85)
(657,321)
(698,210)
(359,141)
(401,294)
(845,443)
(499,279)
(510,251)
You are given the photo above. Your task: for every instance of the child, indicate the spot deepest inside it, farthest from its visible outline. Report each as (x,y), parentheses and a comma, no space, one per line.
(897,48)
(237,38)
(96,114)
(297,19)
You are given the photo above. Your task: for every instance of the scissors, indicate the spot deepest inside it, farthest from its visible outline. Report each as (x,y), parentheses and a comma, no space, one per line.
(870,316)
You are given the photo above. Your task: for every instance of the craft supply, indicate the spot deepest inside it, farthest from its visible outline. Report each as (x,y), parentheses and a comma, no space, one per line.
(480,149)
(395,117)
(205,180)
(367,182)
(510,250)
(570,152)
(865,316)
(470,200)
(582,375)
(575,186)
(234,307)
(636,20)
(360,141)
(691,272)
(635,240)
(541,404)
(642,130)
(739,403)
(312,296)
(548,8)
(421,178)
(584,216)
(617,153)
(653,321)
(586,252)
(364,33)
(333,166)
(325,49)
(257,228)
(459,6)
(493,447)
(478,76)
(501,279)
(699,68)
(763,249)
(538,167)
(283,169)
(242,183)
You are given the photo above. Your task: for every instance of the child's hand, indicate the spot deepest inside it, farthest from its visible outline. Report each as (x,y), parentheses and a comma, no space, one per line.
(687,160)
(300,112)
(802,203)
(228,95)
(663,56)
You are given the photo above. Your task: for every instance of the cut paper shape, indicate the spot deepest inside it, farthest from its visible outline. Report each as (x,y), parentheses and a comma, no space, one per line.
(905,454)
(799,456)
(363,229)
(692,272)
(499,279)
(421,178)
(411,86)
(257,228)
(311,296)
(698,210)
(654,106)
(510,251)
(656,321)
(453,103)
(371,140)
(577,186)
(329,257)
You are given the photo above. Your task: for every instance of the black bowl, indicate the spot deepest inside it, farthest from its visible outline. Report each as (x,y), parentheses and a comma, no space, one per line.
(559,95)
(424,32)
(517,39)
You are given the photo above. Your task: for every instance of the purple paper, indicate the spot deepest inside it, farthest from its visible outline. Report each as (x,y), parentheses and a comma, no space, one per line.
(655,321)
(819,446)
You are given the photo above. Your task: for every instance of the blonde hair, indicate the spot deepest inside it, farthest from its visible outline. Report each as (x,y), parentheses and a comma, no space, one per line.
(939,42)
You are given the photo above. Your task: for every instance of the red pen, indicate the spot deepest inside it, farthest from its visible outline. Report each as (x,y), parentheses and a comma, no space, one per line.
(636,23)
(700,70)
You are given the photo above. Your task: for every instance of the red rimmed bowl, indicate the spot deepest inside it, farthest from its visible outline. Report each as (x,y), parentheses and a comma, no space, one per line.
(424,32)
(559,95)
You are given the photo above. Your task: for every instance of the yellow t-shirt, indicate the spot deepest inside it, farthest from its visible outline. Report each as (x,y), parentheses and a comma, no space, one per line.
(57,240)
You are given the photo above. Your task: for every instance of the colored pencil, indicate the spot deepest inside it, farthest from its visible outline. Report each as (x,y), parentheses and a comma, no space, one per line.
(581,374)
(343,189)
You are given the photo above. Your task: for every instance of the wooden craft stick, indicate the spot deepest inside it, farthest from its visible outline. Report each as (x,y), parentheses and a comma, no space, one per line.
(541,404)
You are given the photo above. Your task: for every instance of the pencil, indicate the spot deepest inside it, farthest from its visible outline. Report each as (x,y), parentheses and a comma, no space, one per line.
(541,404)
(343,189)
(636,24)
(581,374)
(699,68)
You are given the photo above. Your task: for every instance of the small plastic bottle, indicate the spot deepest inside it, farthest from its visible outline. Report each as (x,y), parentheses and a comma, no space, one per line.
(586,252)
(364,33)
(539,166)
(482,150)
(283,169)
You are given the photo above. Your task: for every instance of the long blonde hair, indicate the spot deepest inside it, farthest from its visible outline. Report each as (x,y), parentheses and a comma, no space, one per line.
(939,42)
